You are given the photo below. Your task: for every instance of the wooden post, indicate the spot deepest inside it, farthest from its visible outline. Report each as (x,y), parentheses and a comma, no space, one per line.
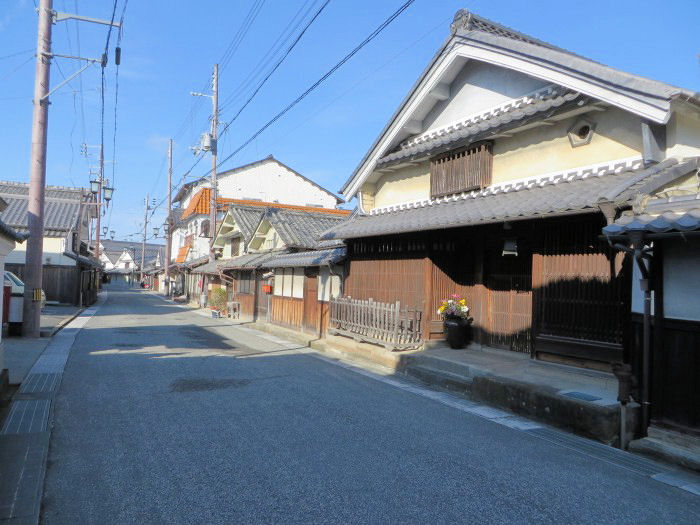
(428,303)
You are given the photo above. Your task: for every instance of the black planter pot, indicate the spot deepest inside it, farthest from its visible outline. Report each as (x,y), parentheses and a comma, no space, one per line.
(458,331)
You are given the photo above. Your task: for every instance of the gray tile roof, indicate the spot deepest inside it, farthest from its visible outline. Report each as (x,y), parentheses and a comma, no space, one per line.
(247,219)
(62,207)
(491,34)
(515,116)
(307,258)
(669,221)
(210,268)
(8,231)
(562,194)
(475,30)
(676,214)
(247,261)
(301,229)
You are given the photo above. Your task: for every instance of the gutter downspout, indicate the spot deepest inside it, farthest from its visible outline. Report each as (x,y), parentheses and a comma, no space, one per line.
(642,254)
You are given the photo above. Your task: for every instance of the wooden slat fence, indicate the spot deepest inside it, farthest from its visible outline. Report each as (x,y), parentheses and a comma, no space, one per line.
(388,324)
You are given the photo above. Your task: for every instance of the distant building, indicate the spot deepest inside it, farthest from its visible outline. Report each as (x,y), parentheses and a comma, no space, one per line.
(121,260)
(266,180)
(70,272)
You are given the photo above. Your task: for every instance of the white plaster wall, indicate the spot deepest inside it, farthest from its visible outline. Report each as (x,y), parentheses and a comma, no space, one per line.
(53,253)
(272,182)
(408,184)
(682,279)
(531,153)
(683,135)
(547,149)
(478,87)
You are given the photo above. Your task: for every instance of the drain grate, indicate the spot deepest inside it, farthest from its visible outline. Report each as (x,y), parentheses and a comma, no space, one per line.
(39,383)
(27,416)
(582,395)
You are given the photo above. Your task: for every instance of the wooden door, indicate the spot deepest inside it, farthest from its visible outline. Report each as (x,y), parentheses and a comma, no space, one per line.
(509,299)
(311,305)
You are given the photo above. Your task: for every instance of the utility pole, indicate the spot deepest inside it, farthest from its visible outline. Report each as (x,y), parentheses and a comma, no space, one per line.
(168,222)
(214,129)
(99,202)
(37,176)
(143,244)
(31,322)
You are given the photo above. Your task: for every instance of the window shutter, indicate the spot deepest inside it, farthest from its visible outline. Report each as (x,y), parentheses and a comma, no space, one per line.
(461,170)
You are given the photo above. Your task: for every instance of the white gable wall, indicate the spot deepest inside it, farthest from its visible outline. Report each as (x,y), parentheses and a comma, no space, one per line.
(479,87)
(272,182)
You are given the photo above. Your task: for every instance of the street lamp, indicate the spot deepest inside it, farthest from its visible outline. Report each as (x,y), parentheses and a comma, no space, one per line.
(104,230)
(94,186)
(155,231)
(111,234)
(108,193)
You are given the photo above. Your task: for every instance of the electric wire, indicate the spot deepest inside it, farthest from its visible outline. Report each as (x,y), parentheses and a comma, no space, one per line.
(259,68)
(277,64)
(17,53)
(325,76)
(13,71)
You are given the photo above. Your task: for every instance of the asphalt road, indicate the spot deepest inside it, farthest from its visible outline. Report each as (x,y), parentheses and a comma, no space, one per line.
(165,416)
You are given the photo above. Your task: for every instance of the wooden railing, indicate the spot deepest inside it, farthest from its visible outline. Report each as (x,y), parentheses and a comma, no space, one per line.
(387,324)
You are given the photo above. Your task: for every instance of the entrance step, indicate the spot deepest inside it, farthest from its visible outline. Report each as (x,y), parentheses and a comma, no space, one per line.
(668,445)
(441,378)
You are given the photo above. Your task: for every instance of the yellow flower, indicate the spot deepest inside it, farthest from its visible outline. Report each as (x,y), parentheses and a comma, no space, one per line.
(462,302)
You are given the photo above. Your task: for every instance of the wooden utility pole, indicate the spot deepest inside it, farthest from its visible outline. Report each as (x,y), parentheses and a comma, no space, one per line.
(168,221)
(99,202)
(143,244)
(214,129)
(31,323)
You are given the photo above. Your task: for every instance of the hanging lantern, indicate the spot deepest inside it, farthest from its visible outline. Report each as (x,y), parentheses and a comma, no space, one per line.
(94,186)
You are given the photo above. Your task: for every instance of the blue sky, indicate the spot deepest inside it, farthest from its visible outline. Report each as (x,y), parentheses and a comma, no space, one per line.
(169,47)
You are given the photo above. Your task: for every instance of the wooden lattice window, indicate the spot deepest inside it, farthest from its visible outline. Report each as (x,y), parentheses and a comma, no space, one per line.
(461,170)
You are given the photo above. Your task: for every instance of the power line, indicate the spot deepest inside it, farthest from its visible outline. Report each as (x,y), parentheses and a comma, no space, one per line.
(277,65)
(325,76)
(8,75)
(17,53)
(241,34)
(225,59)
(282,39)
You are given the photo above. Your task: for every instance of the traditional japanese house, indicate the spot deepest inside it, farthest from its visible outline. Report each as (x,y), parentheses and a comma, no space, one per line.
(70,273)
(493,180)
(252,235)
(303,283)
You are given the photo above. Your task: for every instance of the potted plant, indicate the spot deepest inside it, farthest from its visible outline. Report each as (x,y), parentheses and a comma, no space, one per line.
(217,301)
(456,323)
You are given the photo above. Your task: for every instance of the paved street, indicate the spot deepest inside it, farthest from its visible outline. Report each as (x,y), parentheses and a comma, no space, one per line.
(166,416)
